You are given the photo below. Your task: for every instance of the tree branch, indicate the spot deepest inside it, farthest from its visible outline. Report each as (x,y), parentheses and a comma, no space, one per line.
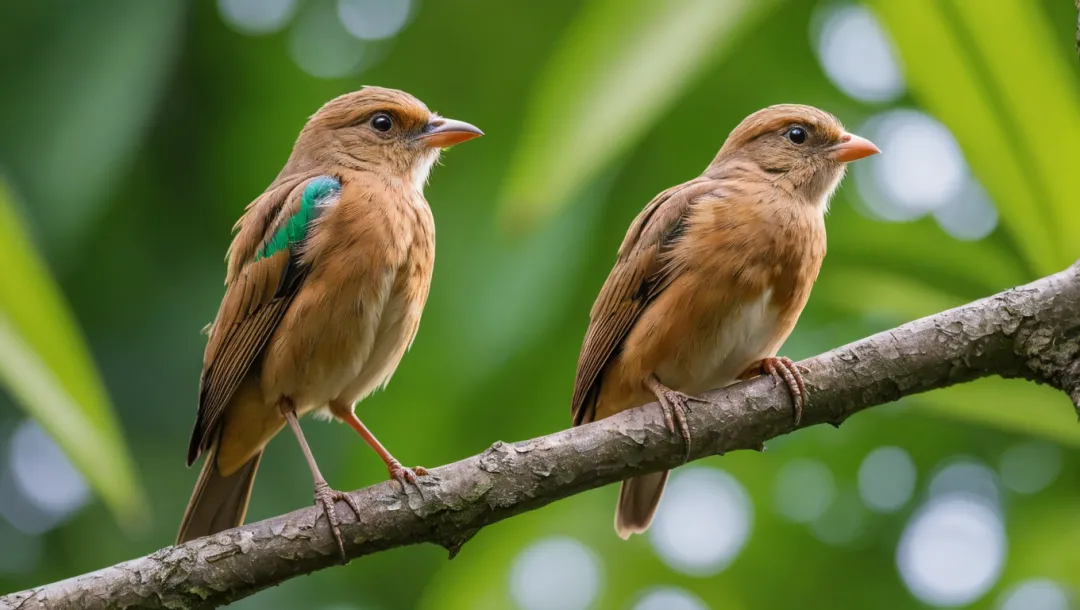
(1031,332)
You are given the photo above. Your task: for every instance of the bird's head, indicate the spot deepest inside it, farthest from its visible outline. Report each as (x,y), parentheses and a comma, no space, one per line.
(801,149)
(383,130)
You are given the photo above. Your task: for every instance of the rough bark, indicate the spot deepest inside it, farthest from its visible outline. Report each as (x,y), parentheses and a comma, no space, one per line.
(1031,332)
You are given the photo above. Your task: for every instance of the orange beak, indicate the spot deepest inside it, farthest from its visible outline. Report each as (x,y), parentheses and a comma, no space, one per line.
(853,148)
(443,133)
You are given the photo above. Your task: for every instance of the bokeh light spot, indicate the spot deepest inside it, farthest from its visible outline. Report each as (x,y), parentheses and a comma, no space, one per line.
(972,216)
(44,474)
(921,171)
(923,168)
(968,476)
(256,16)
(843,523)
(952,550)
(555,574)
(703,521)
(857,55)
(1028,468)
(887,479)
(321,46)
(373,19)
(669,598)
(804,489)
(1036,594)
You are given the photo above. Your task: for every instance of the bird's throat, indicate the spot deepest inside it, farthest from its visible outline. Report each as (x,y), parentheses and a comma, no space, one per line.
(421,168)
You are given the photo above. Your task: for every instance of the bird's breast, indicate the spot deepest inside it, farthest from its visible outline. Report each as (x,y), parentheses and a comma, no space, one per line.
(723,343)
(359,308)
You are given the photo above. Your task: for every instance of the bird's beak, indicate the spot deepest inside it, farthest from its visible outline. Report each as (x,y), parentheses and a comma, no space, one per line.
(443,133)
(853,148)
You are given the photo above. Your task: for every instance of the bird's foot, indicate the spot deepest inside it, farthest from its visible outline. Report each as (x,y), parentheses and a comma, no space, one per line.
(325,500)
(397,472)
(783,369)
(405,475)
(675,406)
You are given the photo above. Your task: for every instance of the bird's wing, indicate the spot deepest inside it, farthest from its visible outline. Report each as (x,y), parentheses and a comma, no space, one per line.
(641,272)
(265,273)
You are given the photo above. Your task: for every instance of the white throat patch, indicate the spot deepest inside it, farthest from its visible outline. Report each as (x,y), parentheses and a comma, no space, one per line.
(422,168)
(823,205)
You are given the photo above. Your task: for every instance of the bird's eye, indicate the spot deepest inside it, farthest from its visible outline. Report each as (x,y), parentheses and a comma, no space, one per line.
(382,122)
(797,135)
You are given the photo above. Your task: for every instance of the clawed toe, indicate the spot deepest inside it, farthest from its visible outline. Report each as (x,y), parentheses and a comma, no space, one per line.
(325,501)
(675,405)
(405,475)
(784,370)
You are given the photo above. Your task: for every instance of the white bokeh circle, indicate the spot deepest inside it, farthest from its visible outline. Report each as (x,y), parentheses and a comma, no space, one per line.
(704,520)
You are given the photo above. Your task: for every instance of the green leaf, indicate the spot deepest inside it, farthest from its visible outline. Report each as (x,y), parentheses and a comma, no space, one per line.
(1014,108)
(621,64)
(1000,101)
(1035,85)
(47,367)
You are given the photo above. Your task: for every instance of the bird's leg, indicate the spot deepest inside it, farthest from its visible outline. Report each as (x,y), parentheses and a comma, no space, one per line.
(675,405)
(397,472)
(325,497)
(782,369)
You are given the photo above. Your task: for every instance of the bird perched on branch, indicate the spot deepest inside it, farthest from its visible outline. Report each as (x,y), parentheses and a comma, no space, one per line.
(710,280)
(327,277)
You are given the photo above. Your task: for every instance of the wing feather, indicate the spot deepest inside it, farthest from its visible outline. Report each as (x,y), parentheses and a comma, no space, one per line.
(641,272)
(259,290)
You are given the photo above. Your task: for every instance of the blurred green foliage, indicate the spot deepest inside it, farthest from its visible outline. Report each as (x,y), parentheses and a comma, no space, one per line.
(134,133)
(46,367)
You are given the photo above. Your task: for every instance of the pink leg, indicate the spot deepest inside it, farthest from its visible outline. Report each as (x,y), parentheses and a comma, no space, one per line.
(325,497)
(397,472)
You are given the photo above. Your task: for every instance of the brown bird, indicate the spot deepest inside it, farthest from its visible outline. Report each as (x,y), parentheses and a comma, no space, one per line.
(327,277)
(710,279)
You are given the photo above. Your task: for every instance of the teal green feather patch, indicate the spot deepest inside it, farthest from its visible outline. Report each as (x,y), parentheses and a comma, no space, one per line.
(317,194)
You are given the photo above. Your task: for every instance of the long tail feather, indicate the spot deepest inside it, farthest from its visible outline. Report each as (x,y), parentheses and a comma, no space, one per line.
(217,503)
(638,499)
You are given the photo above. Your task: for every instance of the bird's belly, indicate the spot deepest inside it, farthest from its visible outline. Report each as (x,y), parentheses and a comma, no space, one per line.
(395,333)
(723,347)
(325,340)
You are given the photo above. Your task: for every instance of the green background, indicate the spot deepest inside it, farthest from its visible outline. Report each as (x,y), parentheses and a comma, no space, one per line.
(133,133)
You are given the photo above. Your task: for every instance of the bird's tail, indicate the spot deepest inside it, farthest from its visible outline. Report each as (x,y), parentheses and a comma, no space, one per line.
(217,503)
(638,499)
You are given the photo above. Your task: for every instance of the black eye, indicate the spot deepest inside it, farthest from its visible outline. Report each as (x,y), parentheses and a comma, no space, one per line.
(797,135)
(382,122)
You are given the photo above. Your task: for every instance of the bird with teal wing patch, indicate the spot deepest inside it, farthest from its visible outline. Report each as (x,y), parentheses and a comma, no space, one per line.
(327,278)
